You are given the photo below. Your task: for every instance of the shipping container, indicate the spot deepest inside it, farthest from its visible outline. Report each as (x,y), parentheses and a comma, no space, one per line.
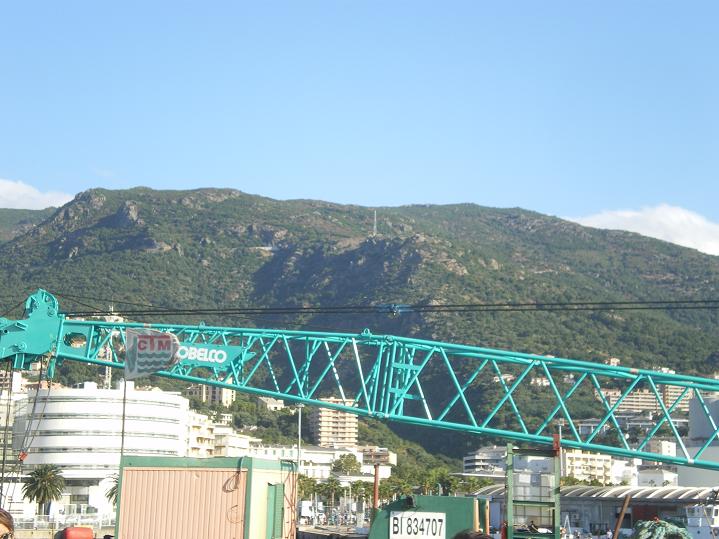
(214,498)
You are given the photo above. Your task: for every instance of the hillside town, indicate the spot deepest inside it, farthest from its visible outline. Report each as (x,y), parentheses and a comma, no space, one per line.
(83,430)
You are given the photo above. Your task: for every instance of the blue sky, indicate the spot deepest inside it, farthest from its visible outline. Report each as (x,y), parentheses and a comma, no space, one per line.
(567,108)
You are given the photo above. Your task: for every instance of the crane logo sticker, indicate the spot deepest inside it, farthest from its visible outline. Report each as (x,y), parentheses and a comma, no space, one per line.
(210,355)
(148,351)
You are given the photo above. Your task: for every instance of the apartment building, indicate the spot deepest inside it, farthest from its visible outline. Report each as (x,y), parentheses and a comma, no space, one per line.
(272,405)
(211,394)
(487,461)
(333,428)
(230,443)
(200,435)
(587,466)
(644,400)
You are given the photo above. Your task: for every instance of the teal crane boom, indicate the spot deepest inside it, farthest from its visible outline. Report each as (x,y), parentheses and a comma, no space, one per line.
(515,396)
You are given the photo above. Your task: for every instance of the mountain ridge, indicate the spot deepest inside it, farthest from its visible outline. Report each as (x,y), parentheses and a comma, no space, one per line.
(211,248)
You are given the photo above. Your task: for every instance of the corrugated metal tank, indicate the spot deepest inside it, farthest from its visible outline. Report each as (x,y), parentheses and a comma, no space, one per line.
(217,498)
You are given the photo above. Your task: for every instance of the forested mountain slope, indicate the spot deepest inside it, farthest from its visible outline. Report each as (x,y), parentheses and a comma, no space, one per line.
(15,222)
(222,248)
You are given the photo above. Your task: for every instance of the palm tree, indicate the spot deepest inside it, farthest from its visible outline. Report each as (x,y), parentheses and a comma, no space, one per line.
(307,487)
(44,485)
(111,493)
(393,487)
(329,488)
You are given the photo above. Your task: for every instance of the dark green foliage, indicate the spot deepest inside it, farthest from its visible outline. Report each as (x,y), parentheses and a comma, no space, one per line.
(659,529)
(112,492)
(272,427)
(223,248)
(413,460)
(44,485)
(346,465)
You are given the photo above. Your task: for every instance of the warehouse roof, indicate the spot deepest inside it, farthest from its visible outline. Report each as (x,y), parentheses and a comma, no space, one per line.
(685,494)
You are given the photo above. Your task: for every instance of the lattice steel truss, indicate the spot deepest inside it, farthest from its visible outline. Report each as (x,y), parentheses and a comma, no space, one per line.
(505,394)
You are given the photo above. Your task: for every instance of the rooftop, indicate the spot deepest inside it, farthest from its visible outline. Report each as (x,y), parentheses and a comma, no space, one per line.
(685,494)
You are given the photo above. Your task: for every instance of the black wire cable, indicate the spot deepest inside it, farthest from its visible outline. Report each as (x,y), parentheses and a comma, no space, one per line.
(73,296)
(11,309)
(404,309)
(445,305)
(8,396)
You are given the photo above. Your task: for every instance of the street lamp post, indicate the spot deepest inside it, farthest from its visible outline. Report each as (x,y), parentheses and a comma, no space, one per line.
(299,436)
(299,458)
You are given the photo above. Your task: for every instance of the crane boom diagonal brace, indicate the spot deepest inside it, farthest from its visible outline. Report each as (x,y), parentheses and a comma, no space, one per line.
(512,395)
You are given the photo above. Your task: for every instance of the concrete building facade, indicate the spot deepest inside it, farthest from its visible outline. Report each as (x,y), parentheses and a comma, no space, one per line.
(211,394)
(489,461)
(272,405)
(333,428)
(372,454)
(587,466)
(80,430)
(644,400)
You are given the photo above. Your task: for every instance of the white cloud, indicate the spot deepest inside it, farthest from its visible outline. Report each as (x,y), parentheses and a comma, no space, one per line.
(664,222)
(21,195)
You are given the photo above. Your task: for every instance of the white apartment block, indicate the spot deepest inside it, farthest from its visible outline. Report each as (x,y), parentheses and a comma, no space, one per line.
(223,419)
(273,405)
(200,435)
(666,448)
(644,400)
(15,378)
(657,477)
(230,443)
(625,472)
(211,394)
(7,408)
(316,462)
(587,466)
(333,428)
(487,461)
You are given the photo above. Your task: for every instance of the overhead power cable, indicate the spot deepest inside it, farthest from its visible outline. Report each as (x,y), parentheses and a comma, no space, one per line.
(397,309)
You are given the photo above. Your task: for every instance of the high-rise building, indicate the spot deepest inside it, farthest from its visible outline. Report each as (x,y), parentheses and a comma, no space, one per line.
(645,400)
(333,428)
